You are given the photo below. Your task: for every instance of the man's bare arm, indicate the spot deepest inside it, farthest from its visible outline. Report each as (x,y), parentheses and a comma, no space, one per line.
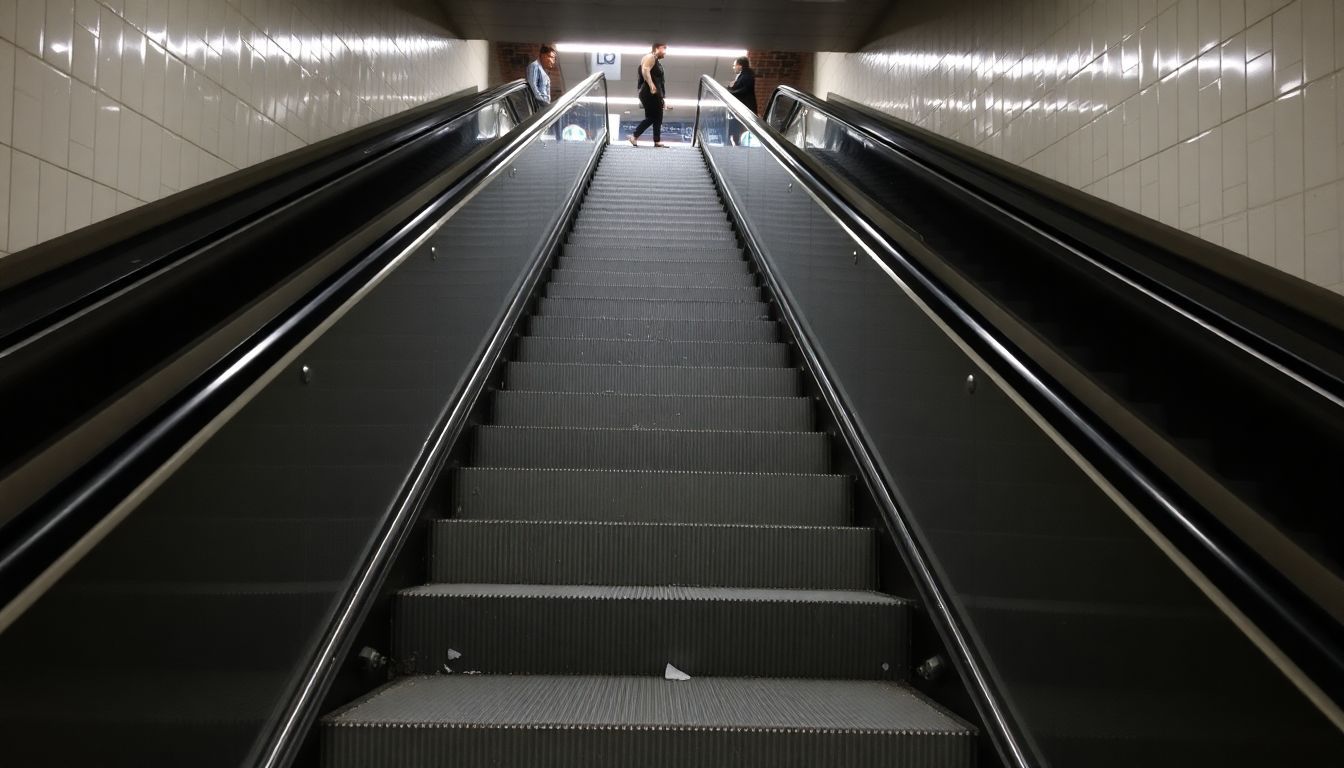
(646,70)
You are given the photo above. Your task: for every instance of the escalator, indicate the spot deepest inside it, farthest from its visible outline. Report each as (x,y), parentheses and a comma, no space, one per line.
(651,496)
(590,455)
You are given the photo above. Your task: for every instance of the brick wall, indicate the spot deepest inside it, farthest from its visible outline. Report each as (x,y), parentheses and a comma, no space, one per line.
(512,59)
(774,68)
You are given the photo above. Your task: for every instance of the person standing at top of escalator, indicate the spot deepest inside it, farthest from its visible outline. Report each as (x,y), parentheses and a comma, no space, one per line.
(744,88)
(652,95)
(537,78)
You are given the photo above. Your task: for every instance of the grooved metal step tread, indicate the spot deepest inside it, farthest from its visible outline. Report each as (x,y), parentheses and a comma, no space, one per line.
(588,629)
(640,243)
(666,221)
(658,593)
(694,200)
(699,555)
(495,493)
(669,310)
(652,292)
(641,251)
(664,330)
(672,265)
(668,449)
(651,379)
(748,354)
(567,409)
(660,279)
(619,722)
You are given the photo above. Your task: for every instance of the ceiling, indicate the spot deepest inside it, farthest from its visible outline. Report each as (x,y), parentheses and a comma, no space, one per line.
(778,25)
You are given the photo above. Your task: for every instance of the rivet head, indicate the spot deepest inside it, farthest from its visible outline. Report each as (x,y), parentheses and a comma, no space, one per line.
(970,384)
(790,186)
(433,253)
(306,375)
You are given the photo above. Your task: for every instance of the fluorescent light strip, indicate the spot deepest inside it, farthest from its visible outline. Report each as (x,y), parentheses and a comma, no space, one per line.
(639,50)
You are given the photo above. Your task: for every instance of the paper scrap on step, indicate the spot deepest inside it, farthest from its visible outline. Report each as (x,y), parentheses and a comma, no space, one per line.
(672,673)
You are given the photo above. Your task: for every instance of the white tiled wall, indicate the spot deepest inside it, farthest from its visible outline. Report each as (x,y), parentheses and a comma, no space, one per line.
(1219,117)
(107,104)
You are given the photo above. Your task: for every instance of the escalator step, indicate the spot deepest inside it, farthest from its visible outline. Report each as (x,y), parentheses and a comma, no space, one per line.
(669,310)
(614,554)
(616,722)
(726,244)
(674,222)
(652,292)
(667,330)
(651,379)
(705,280)
(533,349)
(704,631)
(642,251)
(673,264)
(562,447)
(563,409)
(484,493)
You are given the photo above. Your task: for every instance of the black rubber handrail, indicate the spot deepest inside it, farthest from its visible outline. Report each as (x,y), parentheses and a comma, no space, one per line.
(1306,635)
(1296,325)
(43,285)
(54,531)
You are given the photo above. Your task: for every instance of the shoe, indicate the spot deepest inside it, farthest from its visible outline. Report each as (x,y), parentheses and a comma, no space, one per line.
(660,146)
(634,142)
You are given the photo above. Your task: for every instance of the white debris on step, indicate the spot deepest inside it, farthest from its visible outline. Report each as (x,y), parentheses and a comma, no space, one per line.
(453,655)
(672,673)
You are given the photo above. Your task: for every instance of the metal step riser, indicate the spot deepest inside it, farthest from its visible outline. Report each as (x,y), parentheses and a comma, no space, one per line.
(617,352)
(651,293)
(690,230)
(665,330)
(635,266)
(613,636)
(499,552)
(663,450)
(571,277)
(710,241)
(549,746)
(652,380)
(676,226)
(665,221)
(660,310)
(655,254)
(650,497)
(635,214)
(538,409)
(675,200)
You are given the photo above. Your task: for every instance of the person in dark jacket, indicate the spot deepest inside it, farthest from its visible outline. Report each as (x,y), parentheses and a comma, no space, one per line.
(744,88)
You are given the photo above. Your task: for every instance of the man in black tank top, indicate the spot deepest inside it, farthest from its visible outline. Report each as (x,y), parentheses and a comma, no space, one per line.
(651,95)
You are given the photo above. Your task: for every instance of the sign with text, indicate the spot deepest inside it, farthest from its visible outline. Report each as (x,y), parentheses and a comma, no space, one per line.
(608,64)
